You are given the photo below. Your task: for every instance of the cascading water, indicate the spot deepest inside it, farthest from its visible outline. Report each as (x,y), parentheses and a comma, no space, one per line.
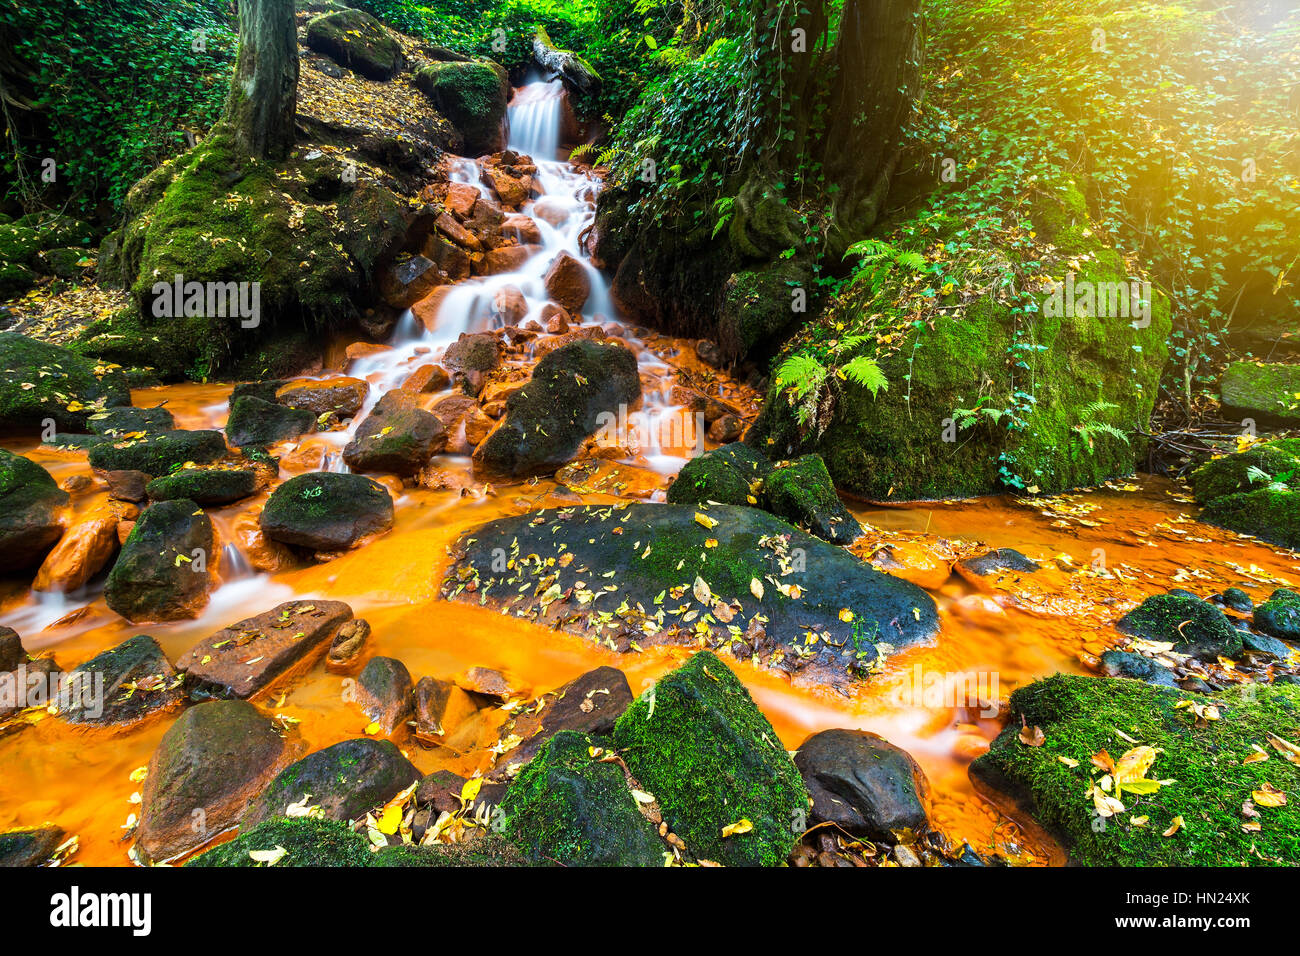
(534,117)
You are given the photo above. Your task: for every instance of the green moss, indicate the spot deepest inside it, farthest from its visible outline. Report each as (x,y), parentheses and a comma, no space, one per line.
(307,842)
(39,381)
(567,807)
(730,475)
(1280,615)
(205,486)
(1081,716)
(1278,460)
(1270,514)
(1268,392)
(160,453)
(471,95)
(358,41)
(697,742)
(1193,626)
(801,493)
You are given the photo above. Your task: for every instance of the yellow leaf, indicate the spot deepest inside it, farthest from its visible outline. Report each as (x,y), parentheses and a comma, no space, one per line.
(1268,796)
(705,521)
(269,857)
(1174,826)
(756,588)
(846,615)
(470,789)
(737,828)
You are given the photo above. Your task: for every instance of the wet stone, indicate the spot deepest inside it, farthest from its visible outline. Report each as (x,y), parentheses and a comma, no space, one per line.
(385,694)
(138,682)
(245,658)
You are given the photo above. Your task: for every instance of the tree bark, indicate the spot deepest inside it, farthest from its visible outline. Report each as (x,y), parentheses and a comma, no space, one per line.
(263,96)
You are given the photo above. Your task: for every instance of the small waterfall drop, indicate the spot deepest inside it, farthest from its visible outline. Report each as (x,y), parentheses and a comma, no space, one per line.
(535,119)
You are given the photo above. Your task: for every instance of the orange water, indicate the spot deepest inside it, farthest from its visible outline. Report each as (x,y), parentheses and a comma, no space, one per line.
(1017,630)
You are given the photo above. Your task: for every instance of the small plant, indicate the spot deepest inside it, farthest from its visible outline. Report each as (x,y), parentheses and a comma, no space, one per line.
(815,384)
(1089,426)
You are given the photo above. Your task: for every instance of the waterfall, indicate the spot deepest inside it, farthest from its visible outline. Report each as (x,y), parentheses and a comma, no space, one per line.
(535,119)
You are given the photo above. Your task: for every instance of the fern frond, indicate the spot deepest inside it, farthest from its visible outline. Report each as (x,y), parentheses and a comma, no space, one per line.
(865,372)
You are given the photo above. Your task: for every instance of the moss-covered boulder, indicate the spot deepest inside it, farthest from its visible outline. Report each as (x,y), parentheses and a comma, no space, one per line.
(472,95)
(397,437)
(41,382)
(204,486)
(346,780)
(122,421)
(15,279)
(1202,764)
(1265,392)
(799,491)
(160,453)
(573,391)
(737,578)
(1253,468)
(985,394)
(309,841)
(166,565)
(1270,514)
(327,511)
(355,39)
(730,475)
(697,741)
(1280,615)
(32,508)
(257,258)
(1193,626)
(254,423)
(567,806)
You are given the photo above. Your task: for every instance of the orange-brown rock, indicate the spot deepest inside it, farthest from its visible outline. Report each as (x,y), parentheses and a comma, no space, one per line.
(342,396)
(913,561)
(522,229)
(82,551)
(426,310)
(457,233)
(460,199)
(509,304)
(504,259)
(567,282)
(362,349)
(426,379)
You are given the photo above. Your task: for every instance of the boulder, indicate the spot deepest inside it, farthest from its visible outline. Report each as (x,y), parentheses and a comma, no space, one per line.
(409,279)
(573,389)
(1261,391)
(570,808)
(139,682)
(1205,780)
(355,39)
(29,846)
(338,396)
(120,421)
(698,743)
(346,781)
(205,486)
(65,388)
(567,282)
(32,510)
(165,568)
(473,98)
(80,554)
(397,436)
(256,423)
(589,704)
(247,657)
(325,511)
(160,453)
(1279,616)
(863,784)
(1137,667)
(385,693)
(998,561)
(1271,514)
(1195,627)
(730,475)
(11,649)
(801,493)
(440,707)
(214,759)
(644,572)
(509,305)
(471,357)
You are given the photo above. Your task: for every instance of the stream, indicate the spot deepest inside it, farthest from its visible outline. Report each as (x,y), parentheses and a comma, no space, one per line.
(1102,550)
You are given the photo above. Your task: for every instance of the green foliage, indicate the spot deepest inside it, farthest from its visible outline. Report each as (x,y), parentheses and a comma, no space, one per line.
(118,83)
(1162,106)
(813,379)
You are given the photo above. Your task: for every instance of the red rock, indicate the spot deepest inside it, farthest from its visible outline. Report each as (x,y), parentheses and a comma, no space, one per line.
(342,396)
(460,199)
(567,282)
(510,304)
(82,551)
(426,310)
(440,707)
(505,259)
(457,233)
(362,349)
(522,229)
(426,379)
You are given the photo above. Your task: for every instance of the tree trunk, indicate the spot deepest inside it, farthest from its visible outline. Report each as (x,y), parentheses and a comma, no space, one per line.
(264,90)
(876,74)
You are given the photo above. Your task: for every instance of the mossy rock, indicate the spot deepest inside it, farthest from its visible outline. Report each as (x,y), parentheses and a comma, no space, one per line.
(1280,615)
(573,390)
(160,453)
(472,95)
(229,223)
(1266,392)
(31,510)
(19,244)
(307,842)
(1193,626)
(730,475)
(1211,778)
(204,486)
(346,780)
(64,263)
(567,807)
(902,443)
(15,279)
(759,305)
(489,850)
(115,422)
(697,741)
(22,241)
(1249,470)
(256,423)
(801,493)
(355,39)
(66,388)
(165,567)
(1271,514)
(326,511)
(663,570)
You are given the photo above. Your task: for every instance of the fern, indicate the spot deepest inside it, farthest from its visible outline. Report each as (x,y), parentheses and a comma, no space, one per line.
(865,372)
(1089,427)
